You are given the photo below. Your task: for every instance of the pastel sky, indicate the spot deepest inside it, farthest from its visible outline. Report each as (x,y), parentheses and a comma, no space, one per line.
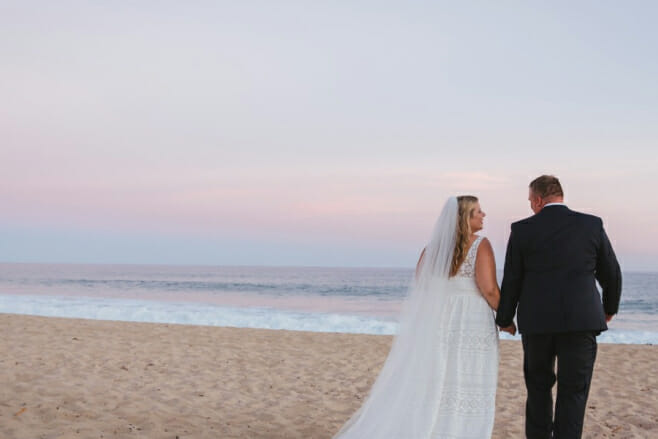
(317,133)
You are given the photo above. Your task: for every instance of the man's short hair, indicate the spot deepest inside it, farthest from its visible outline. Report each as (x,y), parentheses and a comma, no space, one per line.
(547,186)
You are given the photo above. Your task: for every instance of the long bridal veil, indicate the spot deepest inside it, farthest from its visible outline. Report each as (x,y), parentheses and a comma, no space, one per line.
(404,400)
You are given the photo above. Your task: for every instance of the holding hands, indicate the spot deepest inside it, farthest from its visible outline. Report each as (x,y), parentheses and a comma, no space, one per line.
(511,329)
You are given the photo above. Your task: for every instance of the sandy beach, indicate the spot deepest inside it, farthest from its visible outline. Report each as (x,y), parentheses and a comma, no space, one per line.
(67,378)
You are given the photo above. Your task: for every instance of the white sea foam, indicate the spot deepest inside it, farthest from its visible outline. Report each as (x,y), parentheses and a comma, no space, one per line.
(242,317)
(612,335)
(192,314)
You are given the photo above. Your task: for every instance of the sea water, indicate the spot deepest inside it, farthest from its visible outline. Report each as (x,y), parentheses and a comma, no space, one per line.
(353,300)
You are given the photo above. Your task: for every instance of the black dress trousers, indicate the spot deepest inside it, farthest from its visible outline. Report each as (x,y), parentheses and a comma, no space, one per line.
(574,353)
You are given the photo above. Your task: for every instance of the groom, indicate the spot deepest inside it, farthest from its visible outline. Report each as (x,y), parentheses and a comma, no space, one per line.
(553,259)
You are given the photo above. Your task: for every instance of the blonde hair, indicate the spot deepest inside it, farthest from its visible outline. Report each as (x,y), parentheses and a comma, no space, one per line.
(466,207)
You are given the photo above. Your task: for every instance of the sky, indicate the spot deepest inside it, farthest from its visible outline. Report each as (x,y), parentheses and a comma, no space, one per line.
(317,133)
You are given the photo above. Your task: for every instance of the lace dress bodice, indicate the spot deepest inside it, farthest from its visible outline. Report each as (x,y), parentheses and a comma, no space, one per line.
(467,268)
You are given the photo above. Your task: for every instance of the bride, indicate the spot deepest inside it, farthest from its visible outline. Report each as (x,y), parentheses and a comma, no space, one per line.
(439,379)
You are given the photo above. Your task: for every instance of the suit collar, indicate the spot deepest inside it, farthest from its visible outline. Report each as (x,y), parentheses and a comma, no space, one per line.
(553,208)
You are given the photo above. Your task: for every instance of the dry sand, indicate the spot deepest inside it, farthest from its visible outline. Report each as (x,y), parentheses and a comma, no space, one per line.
(70,378)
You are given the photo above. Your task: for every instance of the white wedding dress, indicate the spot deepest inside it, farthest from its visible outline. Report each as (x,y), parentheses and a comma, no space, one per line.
(469,343)
(439,379)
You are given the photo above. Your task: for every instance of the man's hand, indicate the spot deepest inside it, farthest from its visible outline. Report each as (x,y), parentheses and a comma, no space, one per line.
(510,329)
(608,317)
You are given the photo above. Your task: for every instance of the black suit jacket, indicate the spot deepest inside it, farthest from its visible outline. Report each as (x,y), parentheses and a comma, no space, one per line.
(552,263)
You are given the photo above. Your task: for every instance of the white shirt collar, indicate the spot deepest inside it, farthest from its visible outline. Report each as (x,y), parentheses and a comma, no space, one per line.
(554,204)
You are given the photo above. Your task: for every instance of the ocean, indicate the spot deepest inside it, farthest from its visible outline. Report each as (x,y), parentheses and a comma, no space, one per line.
(352,300)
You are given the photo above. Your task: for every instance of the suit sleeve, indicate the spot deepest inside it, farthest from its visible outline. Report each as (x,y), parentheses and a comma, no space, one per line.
(608,274)
(511,287)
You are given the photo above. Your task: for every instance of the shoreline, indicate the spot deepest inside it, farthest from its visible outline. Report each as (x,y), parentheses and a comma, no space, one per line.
(113,379)
(248,317)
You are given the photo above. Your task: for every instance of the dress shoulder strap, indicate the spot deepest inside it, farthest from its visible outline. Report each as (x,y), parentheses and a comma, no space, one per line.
(475,245)
(467,268)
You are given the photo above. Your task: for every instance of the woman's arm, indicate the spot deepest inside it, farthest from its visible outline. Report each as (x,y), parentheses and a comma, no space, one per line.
(485,274)
(419,261)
